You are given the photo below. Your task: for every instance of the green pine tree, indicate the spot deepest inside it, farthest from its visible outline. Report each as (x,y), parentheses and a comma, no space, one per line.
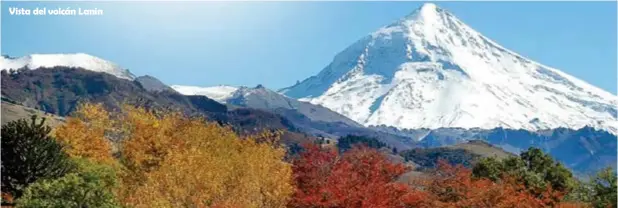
(29,153)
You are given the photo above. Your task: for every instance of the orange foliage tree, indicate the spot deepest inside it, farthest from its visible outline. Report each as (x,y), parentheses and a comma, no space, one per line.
(361,177)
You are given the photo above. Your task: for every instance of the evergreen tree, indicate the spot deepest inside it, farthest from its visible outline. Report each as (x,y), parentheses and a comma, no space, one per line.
(604,186)
(29,153)
(347,142)
(535,169)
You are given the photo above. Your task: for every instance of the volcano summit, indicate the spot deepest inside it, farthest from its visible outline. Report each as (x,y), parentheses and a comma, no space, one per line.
(430,70)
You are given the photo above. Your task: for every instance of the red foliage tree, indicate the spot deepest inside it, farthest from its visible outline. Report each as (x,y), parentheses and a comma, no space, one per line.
(7,200)
(361,177)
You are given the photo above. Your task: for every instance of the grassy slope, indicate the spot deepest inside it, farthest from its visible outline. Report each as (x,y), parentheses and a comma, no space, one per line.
(472,151)
(483,149)
(11,112)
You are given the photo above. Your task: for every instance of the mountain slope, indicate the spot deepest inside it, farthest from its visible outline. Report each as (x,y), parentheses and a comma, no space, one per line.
(219,93)
(584,150)
(59,90)
(466,154)
(263,98)
(12,112)
(77,60)
(260,97)
(152,84)
(307,118)
(430,70)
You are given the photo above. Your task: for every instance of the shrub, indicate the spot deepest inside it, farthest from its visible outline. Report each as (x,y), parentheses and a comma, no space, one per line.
(91,185)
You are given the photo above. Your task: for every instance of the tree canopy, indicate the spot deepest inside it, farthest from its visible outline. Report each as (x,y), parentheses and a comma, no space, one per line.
(361,177)
(170,160)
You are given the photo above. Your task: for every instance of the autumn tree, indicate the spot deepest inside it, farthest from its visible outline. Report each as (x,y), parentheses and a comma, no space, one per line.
(170,160)
(84,133)
(361,177)
(454,186)
(29,154)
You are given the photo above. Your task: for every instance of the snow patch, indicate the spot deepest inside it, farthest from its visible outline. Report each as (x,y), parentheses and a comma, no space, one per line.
(218,93)
(77,60)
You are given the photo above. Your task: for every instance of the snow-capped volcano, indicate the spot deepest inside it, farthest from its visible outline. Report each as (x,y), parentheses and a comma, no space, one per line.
(430,70)
(77,60)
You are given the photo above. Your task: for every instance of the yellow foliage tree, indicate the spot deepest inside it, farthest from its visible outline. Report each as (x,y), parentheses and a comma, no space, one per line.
(173,161)
(84,134)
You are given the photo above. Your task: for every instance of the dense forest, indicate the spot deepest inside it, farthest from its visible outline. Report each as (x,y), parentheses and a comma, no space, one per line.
(136,157)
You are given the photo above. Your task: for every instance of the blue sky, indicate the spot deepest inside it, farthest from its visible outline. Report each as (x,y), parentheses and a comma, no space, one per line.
(277,43)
